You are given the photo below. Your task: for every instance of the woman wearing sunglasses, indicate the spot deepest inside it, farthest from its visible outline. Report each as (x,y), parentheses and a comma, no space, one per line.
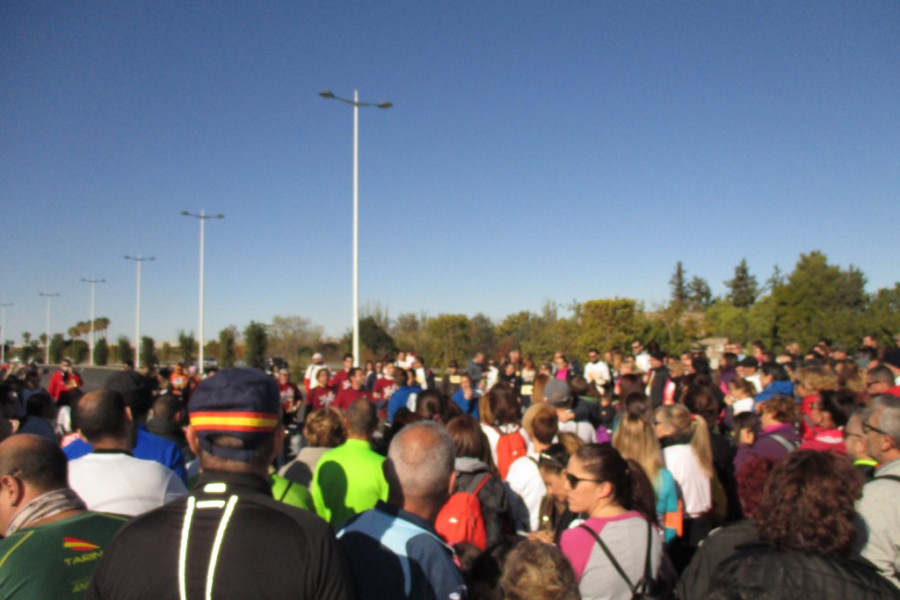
(618,548)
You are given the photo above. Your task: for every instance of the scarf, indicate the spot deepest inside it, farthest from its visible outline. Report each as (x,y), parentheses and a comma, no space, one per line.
(44,507)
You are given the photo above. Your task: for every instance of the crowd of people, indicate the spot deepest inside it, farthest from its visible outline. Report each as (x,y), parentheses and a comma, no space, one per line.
(635,474)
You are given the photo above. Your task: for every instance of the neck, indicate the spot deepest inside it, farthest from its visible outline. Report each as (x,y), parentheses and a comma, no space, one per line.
(608,509)
(352,435)
(111,444)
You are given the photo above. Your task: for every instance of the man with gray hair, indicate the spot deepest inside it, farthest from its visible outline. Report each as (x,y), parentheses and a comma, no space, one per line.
(393,549)
(878,507)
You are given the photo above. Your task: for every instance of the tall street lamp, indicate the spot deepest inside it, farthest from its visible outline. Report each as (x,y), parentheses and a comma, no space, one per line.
(3,332)
(202,217)
(137,310)
(47,348)
(93,283)
(355,103)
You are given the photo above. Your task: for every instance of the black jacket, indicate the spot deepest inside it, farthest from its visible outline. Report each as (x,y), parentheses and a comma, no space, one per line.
(761,572)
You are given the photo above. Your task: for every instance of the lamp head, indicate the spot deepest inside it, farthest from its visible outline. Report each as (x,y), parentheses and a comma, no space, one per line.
(384,105)
(326,94)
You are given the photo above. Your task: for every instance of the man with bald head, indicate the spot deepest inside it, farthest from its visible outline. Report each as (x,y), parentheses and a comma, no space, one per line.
(393,549)
(52,543)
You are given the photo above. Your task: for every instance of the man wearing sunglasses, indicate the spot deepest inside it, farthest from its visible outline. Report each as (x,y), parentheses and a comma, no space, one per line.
(878,506)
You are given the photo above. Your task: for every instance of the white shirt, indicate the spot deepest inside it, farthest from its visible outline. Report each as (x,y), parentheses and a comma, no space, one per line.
(118,483)
(597,373)
(695,487)
(524,479)
(642,362)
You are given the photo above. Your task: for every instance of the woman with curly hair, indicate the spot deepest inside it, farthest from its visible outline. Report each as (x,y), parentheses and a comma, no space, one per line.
(805,521)
(777,436)
(536,571)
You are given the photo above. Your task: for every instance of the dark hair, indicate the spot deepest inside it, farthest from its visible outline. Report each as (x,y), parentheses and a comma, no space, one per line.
(701,402)
(346,356)
(431,405)
(630,383)
(775,371)
(101,414)
(545,424)
(638,406)
(538,571)
(881,374)
(744,420)
(631,487)
(166,407)
(751,479)
(362,418)
(503,404)
(469,439)
(783,408)
(400,376)
(808,503)
(353,371)
(839,404)
(553,458)
(40,463)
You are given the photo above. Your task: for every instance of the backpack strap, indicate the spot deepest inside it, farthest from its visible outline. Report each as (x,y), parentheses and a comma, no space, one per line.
(480,485)
(783,441)
(891,477)
(612,559)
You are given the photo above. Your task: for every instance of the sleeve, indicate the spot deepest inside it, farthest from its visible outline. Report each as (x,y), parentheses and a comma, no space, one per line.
(328,577)
(576,546)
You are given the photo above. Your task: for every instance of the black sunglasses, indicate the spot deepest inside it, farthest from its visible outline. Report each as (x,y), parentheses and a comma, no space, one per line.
(574,481)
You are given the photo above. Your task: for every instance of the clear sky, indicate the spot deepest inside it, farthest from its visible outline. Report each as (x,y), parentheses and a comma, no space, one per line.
(536,151)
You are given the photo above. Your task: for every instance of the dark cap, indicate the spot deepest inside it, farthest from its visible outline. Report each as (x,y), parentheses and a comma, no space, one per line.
(134,387)
(241,403)
(749,361)
(556,392)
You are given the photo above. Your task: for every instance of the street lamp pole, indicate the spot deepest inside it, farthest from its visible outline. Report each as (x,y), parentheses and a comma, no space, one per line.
(3,332)
(47,347)
(93,283)
(202,217)
(355,103)
(137,309)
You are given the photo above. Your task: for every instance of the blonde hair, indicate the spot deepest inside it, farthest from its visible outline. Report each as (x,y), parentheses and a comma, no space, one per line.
(817,379)
(680,418)
(635,440)
(570,441)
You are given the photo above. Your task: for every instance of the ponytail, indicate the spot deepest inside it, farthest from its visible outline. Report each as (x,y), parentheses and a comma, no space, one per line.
(701,446)
(640,494)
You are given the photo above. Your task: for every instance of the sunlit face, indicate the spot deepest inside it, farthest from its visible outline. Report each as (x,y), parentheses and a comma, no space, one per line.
(555,483)
(322,377)
(348,362)
(283,377)
(593,356)
(583,495)
(561,363)
(660,427)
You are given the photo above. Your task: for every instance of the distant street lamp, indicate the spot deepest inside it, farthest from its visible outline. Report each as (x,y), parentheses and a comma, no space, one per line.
(355,103)
(202,217)
(137,310)
(3,332)
(93,283)
(47,347)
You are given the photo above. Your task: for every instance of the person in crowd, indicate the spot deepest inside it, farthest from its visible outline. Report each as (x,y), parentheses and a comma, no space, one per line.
(509,376)
(688,456)
(635,441)
(722,543)
(323,430)
(775,381)
(341,379)
(452,379)
(353,391)
(432,405)
(596,371)
(476,368)
(810,381)
(524,477)
(372,370)
(466,397)
(537,571)
(393,550)
(405,394)
(739,399)
(558,394)
(39,417)
(878,508)
(349,479)
(310,380)
(748,368)
(621,524)
(830,413)
(291,398)
(879,380)
(209,543)
(805,521)
(165,421)
(855,444)
(501,419)
(562,371)
(727,370)
(322,395)
(178,380)
(777,436)
(641,356)
(51,543)
(65,384)
(554,516)
(660,387)
(138,395)
(109,479)
(476,471)
(537,389)
(384,387)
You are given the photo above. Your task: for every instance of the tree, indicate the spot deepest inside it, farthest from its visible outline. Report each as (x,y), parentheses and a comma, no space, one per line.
(679,286)
(79,350)
(126,352)
(608,323)
(148,352)
(408,331)
(742,288)
(375,338)
(57,348)
(226,347)
(101,352)
(699,294)
(292,336)
(186,347)
(26,337)
(482,334)
(256,342)
(449,338)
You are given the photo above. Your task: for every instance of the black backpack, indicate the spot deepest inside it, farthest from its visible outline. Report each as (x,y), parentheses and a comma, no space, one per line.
(647,588)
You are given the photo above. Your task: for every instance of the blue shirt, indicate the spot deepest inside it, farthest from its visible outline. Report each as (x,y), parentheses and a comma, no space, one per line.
(394,554)
(400,398)
(469,407)
(148,447)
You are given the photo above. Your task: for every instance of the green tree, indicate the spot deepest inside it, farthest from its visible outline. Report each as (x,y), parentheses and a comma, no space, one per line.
(742,288)
(57,348)
(80,351)
(226,347)
(482,334)
(148,352)
(26,337)
(699,294)
(678,284)
(375,338)
(101,352)
(449,338)
(292,336)
(256,341)
(408,331)
(126,352)
(187,346)
(884,314)
(609,322)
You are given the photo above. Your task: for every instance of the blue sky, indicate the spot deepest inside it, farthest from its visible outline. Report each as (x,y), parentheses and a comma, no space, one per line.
(536,151)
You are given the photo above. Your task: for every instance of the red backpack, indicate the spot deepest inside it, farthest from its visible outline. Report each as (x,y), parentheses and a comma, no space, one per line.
(510,446)
(461,519)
